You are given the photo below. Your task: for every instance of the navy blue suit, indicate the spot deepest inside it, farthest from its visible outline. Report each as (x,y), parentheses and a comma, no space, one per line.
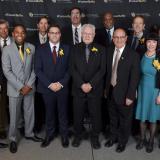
(47,73)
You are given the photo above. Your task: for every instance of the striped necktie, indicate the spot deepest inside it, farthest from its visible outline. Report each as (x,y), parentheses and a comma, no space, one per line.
(76,36)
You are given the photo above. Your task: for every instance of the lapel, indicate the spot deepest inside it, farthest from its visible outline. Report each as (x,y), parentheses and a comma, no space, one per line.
(92,55)
(82,55)
(48,53)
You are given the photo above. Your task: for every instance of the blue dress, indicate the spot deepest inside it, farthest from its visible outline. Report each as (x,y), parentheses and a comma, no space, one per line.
(147,109)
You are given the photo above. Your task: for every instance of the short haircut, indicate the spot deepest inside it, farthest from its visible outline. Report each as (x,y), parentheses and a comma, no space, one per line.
(43,17)
(19,25)
(138,16)
(120,28)
(3,21)
(54,25)
(80,11)
(88,25)
(108,13)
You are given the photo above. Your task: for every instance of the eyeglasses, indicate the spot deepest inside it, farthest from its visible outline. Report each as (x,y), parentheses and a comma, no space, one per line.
(87,34)
(56,33)
(116,37)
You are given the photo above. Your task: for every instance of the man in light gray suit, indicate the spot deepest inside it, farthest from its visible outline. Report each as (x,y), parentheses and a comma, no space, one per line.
(18,68)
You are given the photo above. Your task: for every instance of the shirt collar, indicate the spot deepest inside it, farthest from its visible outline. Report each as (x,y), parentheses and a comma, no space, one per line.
(52,45)
(79,26)
(120,49)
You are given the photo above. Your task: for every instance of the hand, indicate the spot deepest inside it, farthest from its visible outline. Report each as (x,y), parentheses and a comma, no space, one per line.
(53,87)
(59,86)
(158,100)
(86,87)
(25,90)
(128,102)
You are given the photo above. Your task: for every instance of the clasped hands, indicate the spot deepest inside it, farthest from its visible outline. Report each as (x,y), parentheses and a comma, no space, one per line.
(55,86)
(25,90)
(86,87)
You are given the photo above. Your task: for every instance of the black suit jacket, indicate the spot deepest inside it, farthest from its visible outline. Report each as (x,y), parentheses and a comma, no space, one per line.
(102,37)
(141,48)
(67,35)
(91,72)
(128,74)
(1,72)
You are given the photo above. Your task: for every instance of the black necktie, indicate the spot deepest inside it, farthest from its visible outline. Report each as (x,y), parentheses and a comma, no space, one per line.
(76,36)
(4,43)
(109,35)
(87,53)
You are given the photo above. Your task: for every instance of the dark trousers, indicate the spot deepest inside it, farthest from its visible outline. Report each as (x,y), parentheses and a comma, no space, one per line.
(120,121)
(94,108)
(56,104)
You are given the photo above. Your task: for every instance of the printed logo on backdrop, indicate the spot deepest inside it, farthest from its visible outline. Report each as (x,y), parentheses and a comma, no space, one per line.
(13,15)
(61,1)
(120,16)
(61,16)
(157,0)
(92,15)
(86,1)
(31,14)
(133,14)
(10,0)
(137,1)
(34,1)
(113,1)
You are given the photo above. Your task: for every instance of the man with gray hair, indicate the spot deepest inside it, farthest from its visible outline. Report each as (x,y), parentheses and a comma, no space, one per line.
(88,63)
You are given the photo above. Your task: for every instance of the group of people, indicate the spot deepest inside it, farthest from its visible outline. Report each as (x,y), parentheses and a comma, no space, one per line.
(82,66)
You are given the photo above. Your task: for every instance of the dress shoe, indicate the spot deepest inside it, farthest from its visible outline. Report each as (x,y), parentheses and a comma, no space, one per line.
(3,135)
(95,143)
(34,139)
(149,147)
(3,145)
(141,143)
(110,143)
(76,142)
(13,147)
(65,142)
(120,148)
(46,142)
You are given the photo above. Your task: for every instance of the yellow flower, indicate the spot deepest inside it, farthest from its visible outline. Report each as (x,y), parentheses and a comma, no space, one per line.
(142,40)
(61,52)
(94,49)
(28,51)
(156,64)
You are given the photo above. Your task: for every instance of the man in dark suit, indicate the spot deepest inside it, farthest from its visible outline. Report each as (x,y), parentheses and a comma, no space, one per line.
(39,38)
(51,67)
(72,34)
(88,63)
(137,39)
(122,78)
(104,35)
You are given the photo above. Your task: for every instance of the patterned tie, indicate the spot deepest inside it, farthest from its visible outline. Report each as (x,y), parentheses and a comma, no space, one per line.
(109,36)
(114,68)
(87,53)
(76,36)
(21,53)
(4,43)
(43,40)
(54,53)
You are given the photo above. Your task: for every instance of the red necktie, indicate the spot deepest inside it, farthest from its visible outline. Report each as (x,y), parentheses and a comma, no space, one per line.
(54,54)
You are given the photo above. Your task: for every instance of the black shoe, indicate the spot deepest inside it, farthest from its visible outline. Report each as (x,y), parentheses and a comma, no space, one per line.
(34,139)
(149,147)
(141,143)
(13,147)
(3,135)
(3,145)
(120,148)
(65,142)
(76,142)
(46,142)
(110,143)
(95,143)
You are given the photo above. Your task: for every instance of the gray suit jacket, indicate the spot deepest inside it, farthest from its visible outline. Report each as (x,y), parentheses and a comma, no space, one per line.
(18,73)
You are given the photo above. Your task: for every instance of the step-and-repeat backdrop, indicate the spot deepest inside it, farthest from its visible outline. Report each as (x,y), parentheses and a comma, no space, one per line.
(28,11)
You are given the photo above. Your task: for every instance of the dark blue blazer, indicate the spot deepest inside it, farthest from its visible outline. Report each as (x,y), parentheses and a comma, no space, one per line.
(48,72)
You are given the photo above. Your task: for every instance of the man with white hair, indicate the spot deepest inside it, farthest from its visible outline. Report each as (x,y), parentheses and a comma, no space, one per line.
(88,63)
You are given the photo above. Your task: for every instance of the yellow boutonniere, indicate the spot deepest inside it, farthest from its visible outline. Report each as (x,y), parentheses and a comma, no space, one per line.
(28,51)
(61,52)
(156,64)
(142,40)
(93,49)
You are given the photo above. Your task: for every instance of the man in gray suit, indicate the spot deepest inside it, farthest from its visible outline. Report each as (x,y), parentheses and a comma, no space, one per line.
(18,68)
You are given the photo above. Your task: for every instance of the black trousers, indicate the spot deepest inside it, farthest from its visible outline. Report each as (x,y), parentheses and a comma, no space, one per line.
(56,105)
(120,121)
(80,104)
